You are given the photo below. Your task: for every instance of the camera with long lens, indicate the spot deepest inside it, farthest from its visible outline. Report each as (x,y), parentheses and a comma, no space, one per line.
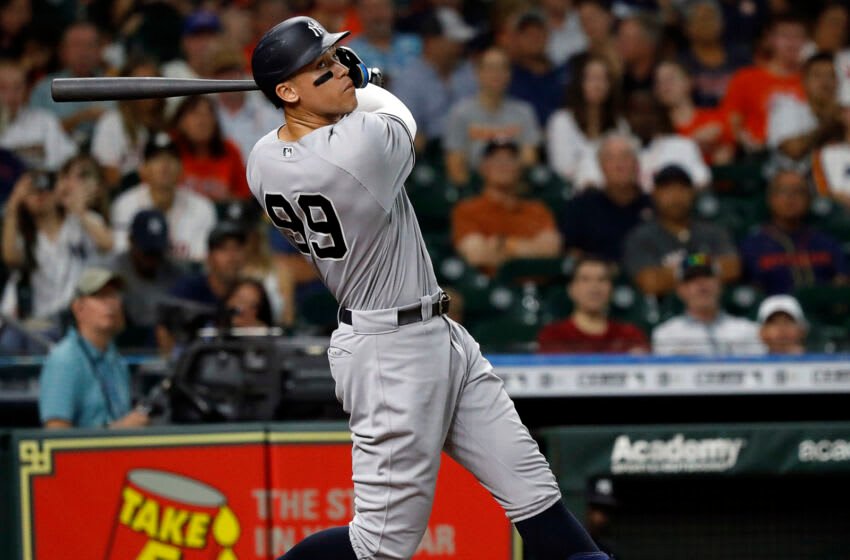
(252,377)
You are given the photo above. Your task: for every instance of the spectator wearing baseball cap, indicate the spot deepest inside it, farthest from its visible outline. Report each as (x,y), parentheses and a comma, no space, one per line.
(704,329)
(190,216)
(148,273)
(84,381)
(201,28)
(654,249)
(602,502)
(791,128)
(783,325)
(225,262)
(498,225)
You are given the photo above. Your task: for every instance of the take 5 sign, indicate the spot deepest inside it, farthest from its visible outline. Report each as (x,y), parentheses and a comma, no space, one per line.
(238,495)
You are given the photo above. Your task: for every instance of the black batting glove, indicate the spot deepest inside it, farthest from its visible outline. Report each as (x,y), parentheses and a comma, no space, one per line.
(359,73)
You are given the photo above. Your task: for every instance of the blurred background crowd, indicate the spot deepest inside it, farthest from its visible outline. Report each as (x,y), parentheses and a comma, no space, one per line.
(635,176)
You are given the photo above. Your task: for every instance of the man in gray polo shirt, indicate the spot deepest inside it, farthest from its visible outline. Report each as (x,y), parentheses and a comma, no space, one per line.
(489,115)
(655,249)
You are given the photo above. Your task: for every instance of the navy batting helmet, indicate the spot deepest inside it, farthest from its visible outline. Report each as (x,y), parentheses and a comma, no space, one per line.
(287,47)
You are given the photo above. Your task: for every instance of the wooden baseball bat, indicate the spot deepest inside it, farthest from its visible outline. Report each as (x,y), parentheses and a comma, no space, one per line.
(103,89)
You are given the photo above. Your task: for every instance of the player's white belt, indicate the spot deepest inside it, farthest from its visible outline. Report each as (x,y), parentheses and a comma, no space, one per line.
(408,314)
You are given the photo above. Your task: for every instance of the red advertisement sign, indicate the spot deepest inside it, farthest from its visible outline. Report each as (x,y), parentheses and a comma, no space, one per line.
(465,521)
(228,496)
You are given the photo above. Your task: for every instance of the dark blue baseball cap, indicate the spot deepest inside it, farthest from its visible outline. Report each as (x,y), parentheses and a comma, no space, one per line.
(201,21)
(672,174)
(226,230)
(149,231)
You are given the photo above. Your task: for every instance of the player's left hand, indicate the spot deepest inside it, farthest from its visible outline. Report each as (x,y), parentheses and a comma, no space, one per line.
(359,73)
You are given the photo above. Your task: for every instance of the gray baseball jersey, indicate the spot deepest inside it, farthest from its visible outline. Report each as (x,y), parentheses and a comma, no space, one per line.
(338,195)
(413,390)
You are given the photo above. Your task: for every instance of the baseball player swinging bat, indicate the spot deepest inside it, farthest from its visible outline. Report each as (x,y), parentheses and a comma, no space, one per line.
(330,176)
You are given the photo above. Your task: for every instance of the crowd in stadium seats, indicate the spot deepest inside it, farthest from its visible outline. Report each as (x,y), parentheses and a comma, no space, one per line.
(591,176)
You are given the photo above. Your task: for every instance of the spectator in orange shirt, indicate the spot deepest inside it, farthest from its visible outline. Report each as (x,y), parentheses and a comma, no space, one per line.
(499,225)
(212,164)
(707,127)
(752,88)
(588,329)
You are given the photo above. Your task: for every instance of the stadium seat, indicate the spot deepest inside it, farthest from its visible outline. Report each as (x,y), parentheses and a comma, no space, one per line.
(555,304)
(540,271)
(439,247)
(319,311)
(741,177)
(515,321)
(546,186)
(630,305)
(826,305)
(433,206)
(425,176)
(506,335)
(831,217)
(738,214)
(473,286)
(827,338)
(742,300)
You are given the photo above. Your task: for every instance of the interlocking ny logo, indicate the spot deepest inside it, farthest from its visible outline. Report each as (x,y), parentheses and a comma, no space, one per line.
(315,28)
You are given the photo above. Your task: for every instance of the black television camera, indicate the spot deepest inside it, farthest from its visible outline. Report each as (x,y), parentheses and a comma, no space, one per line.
(243,375)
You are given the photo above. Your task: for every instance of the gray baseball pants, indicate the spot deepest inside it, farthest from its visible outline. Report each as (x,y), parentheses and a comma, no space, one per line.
(412,391)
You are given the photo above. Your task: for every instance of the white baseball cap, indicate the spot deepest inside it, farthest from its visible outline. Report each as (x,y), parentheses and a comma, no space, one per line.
(782,304)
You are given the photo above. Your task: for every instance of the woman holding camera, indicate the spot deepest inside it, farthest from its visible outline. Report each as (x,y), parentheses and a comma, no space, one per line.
(49,234)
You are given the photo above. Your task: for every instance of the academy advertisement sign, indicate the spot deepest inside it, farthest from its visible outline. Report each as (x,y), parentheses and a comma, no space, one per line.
(677,454)
(824,451)
(226,496)
(579,454)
